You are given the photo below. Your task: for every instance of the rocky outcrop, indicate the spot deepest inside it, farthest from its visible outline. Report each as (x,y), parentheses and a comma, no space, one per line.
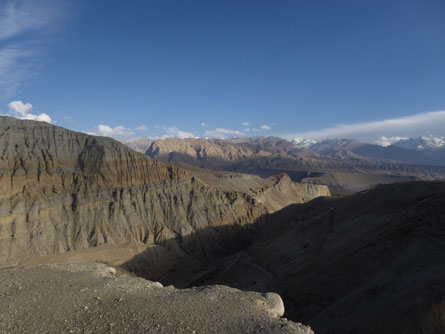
(62,191)
(283,190)
(94,298)
(274,192)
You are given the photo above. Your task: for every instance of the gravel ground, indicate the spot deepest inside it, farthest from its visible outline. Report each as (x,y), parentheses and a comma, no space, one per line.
(92,298)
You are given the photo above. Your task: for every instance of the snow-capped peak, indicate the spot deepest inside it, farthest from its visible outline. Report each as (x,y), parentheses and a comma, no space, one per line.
(386,141)
(422,143)
(303,142)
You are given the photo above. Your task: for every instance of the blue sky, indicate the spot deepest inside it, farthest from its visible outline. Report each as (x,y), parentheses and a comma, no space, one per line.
(345,68)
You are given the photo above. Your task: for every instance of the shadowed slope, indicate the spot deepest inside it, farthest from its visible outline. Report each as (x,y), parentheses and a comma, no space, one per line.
(344,264)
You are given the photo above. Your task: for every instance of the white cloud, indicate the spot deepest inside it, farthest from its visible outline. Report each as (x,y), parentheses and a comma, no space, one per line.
(176,133)
(23,27)
(204,124)
(246,123)
(22,110)
(409,126)
(222,133)
(141,128)
(386,141)
(105,130)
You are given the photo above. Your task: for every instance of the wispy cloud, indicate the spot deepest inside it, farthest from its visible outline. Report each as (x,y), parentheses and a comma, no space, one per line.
(22,16)
(22,110)
(246,123)
(222,133)
(409,126)
(108,131)
(204,124)
(23,25)
(141,128)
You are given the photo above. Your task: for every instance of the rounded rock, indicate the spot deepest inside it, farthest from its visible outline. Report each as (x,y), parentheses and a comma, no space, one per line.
(110,270)
(274,303)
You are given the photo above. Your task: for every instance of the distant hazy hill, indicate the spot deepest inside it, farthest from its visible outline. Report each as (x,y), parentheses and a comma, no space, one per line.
(139,144)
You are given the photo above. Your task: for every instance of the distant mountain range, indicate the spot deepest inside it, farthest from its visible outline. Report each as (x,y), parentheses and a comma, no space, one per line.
(422,150)
(427,150)
(422,143)
(344,165)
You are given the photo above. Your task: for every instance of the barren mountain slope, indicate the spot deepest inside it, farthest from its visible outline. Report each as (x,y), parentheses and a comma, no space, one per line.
(367,263)
(202,153)
(62,191)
